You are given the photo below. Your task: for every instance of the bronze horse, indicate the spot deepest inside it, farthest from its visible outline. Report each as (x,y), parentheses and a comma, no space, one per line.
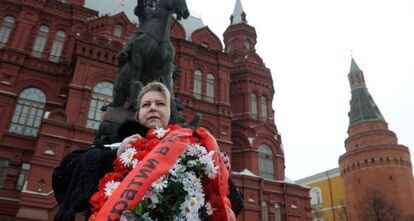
(149,53)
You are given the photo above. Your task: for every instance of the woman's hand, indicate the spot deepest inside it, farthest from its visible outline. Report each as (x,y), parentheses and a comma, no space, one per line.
(226,160)
(126,143)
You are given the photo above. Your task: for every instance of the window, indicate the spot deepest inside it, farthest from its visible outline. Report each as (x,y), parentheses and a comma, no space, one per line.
(5,30)
(101,95)
(247,44)
(24,174)
(316,196)
(210,88)
(264,108)
(266,162)
(40,42)
(197,84)
(28,113)
(254,106)
(265,211)
(118,30)
(278,214)
(57,46)
(3,170)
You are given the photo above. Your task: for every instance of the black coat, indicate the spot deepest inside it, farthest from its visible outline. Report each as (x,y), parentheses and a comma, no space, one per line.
(76,178)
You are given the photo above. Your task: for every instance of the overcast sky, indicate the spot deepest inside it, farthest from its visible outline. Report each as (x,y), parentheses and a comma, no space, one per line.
(308,46)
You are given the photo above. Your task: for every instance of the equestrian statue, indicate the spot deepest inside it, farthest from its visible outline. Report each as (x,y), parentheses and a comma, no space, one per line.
(148,56)
(149,53)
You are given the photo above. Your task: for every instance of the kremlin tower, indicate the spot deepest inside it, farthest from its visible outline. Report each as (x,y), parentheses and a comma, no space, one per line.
(376,170)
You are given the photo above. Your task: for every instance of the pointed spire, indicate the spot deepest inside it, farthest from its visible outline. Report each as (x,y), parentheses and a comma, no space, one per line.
(354,66)
(356,76)
(363,107)
(238,16)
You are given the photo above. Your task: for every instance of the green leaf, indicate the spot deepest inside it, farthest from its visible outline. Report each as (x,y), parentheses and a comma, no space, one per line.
(139,209)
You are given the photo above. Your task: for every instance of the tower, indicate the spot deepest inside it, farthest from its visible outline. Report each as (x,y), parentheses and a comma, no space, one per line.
(240,37)
(376,170)
(253,130)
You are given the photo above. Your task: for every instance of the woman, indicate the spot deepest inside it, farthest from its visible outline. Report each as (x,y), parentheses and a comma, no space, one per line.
(76,178)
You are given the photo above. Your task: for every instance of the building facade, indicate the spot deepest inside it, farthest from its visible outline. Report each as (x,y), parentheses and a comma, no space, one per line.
(327,194)
(57,68)
(376,170)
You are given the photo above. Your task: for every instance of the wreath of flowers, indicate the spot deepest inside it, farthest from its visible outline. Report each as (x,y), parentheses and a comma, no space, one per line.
(185,193)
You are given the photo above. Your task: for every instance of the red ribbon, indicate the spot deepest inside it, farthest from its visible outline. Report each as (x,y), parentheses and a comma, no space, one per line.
(224,212)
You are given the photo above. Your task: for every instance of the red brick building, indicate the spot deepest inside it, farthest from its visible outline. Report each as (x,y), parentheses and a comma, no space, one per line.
(57,67)
(376,170)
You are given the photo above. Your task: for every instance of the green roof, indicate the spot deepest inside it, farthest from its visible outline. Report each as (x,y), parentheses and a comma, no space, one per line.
(354,66)
(363,107)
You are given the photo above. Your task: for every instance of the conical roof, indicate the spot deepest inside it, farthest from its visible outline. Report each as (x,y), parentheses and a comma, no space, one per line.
(238,15)
(363,107)
(354,66)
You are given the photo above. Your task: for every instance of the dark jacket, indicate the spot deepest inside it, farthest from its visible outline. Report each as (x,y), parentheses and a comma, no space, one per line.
(76,178)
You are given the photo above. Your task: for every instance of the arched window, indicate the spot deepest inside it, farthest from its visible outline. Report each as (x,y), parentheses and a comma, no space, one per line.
(40,42)
(254,105)
(57,46)
(316,196)
(5,30)
(210,88)
(278,213)
(247,44)
(264,108)
(101,95)
(265,211)
(197,84)
(118,30)
(28,113)
(266,162)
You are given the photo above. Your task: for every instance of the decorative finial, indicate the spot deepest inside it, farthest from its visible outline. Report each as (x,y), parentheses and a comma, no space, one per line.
(121,6)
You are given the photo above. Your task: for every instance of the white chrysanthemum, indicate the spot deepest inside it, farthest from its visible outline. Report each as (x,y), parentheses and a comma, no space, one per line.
(196,203)
(152,195)
(160,132)
(195,149)
(200,197)
(160,184)
(209,209)
(186,208)
(128,156)
(192,163)
(207,158)
(191,184)
(210,169)
(177,169)
(110,187)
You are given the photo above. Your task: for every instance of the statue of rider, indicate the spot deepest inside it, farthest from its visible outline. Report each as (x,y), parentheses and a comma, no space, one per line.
(144,12)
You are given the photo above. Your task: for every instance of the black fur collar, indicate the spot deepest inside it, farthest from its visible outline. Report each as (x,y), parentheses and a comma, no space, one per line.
(131,127)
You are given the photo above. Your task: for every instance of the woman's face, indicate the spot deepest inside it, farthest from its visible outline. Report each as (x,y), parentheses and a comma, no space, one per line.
(154,111)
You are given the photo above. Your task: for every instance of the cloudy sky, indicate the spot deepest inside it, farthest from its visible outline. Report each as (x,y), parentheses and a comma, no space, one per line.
(308,47)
